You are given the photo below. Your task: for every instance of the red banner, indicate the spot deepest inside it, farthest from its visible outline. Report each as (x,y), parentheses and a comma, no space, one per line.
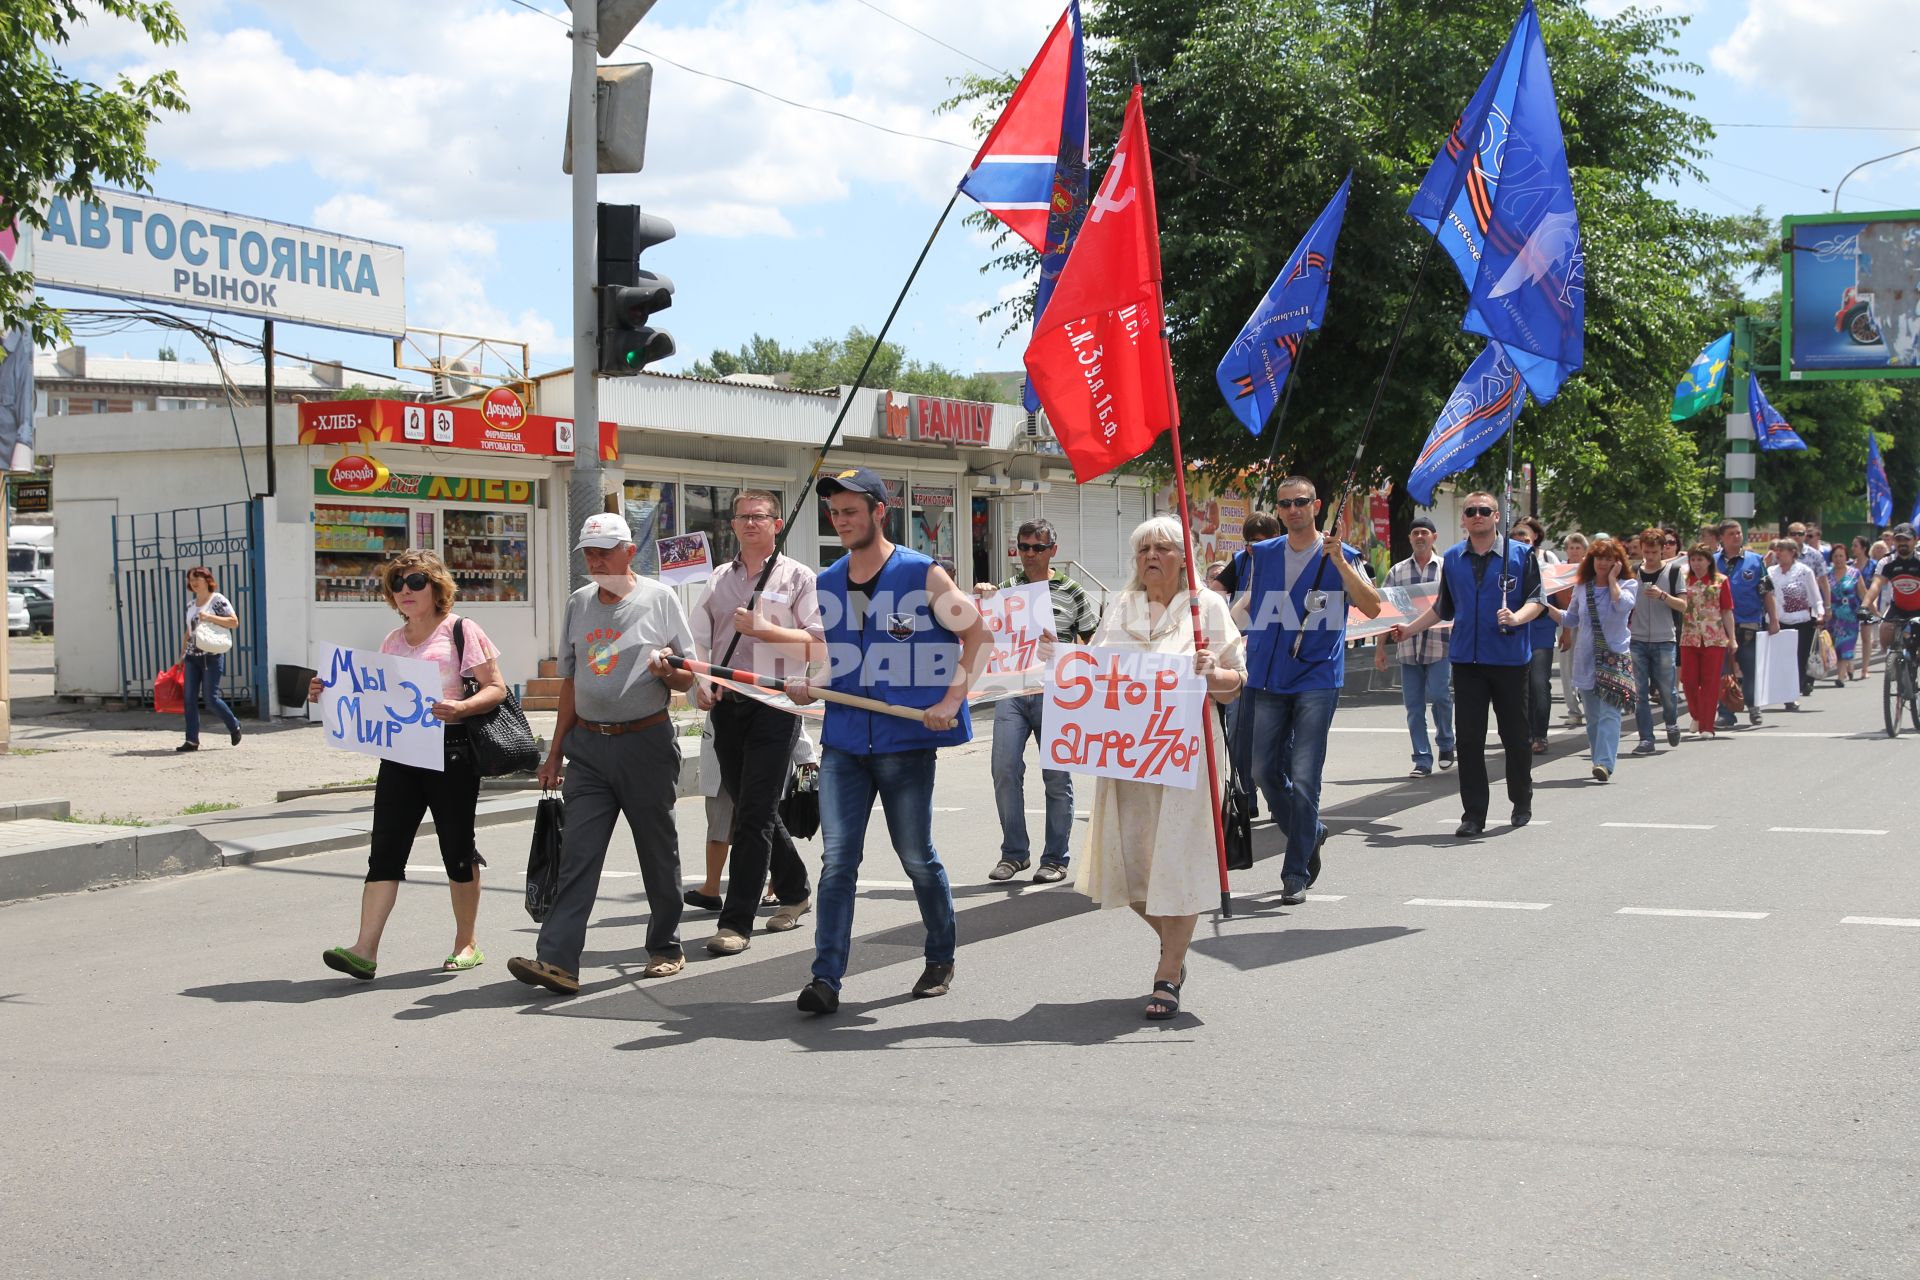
(443,426)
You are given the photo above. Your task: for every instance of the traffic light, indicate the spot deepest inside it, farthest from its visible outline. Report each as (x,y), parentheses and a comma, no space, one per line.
(628,295)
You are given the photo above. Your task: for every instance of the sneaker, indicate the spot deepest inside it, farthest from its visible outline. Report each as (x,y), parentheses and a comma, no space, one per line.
(818,997)
(1753,717)
(1601,773)
(1006,869)
(1793,706)
(1050,873)
(1292,895)
(538,973)
(727,942)
(788,916)
(1645,749)
(1420,771)
(233,736)
(1446,759)
(1673,735)
(935,980)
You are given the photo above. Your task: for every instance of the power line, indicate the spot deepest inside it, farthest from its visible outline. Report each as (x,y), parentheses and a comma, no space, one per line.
(999,71)
(1794,182)
(1849,128)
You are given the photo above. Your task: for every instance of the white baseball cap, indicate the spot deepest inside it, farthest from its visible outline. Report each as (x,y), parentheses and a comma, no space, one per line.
(604,532)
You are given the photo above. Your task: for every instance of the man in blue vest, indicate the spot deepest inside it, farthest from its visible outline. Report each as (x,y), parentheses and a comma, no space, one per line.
(1300,586)
(897,630)
(1753,609)
(1489,591)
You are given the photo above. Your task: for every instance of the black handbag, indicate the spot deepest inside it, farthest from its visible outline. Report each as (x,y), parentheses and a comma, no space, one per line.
(500,737)
(800,806)
(1235,817)
(543,859)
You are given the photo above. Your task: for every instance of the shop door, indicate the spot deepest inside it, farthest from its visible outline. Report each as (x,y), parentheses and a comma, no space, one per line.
(151,556)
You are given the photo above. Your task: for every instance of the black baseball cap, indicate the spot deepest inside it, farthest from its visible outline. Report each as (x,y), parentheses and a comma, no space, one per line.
(853,480)
(1903,531)
(1424,522)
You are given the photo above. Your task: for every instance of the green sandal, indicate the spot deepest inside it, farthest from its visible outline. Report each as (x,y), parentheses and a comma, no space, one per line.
(457,963)
(348,963)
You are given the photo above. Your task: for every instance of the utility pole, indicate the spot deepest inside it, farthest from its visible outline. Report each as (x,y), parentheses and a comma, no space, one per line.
(1741,455)
(583,487)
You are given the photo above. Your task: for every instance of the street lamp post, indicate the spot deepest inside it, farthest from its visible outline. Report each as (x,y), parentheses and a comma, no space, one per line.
(1863,164)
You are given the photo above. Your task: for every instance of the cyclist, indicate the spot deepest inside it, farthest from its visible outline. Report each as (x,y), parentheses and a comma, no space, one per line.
(1901,572)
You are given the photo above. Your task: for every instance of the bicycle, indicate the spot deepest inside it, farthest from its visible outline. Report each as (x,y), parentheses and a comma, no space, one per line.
(1898,699)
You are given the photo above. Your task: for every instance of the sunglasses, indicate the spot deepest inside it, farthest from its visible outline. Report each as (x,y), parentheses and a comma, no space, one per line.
(1480,511)
(1287,503)
(411,581)
(1034,548)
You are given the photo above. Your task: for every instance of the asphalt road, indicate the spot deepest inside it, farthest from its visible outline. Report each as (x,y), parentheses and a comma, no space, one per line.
(1654,1034)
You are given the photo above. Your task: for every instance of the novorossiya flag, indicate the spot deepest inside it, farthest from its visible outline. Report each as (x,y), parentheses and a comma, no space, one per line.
(1701,385)
(1769,428)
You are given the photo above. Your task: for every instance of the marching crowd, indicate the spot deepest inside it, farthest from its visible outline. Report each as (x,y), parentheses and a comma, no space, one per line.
(893,645)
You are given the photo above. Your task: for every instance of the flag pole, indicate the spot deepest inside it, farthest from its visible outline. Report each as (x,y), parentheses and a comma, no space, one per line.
(1293,375)
(1193,606)
(846,403)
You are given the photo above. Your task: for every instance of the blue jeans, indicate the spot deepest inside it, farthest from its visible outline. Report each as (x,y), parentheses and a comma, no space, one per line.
(1603,730)
(1014,720)
(1290,751)
(203,674)
(1424,685)
(1653,675)
(848,783)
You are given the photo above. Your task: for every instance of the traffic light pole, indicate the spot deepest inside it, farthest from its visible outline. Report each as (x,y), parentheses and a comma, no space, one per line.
(583,487)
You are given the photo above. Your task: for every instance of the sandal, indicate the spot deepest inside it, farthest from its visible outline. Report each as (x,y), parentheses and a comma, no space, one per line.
(460,962)
(664,966)
(348,963)
(1164,1003)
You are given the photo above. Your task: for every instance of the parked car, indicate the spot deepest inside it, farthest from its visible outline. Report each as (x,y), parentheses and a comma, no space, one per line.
(18,619)
(39,596)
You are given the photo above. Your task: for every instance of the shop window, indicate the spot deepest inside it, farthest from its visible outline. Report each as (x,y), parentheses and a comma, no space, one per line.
(830,548)
(486,551)
(350,542)
(709,510)
(652,510)
(933,523)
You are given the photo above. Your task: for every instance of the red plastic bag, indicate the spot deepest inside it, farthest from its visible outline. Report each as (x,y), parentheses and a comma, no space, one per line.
(170,691)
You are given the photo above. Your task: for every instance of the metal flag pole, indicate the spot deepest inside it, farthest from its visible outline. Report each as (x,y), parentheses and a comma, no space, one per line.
(859,380)
(1286,399)
(1506,522)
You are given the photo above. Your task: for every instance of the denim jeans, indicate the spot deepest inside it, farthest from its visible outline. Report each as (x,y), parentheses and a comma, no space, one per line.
(1603,730)
(203,674)
(1743,655)
(1014,720)
(1539,693)
(1653,676)
(1290,751)
(848,783)
(1424,685)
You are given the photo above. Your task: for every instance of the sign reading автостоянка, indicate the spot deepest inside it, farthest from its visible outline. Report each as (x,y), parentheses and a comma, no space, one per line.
(134,246)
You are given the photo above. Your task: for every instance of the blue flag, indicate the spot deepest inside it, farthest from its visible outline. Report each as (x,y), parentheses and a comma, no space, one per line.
(1256,366)
(1879,491)
(1701,385)
(1500,199)
(1769,428)
(1481,410)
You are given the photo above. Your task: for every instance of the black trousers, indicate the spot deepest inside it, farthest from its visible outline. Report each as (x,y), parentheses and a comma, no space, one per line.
(1539,692)
(1805,632)
(1476,686)
(403,795)
(754,744)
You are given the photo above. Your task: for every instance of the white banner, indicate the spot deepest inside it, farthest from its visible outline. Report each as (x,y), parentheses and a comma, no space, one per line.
(1017,617)
(135,246)
(1117,713)
(1776,669)
(381,705)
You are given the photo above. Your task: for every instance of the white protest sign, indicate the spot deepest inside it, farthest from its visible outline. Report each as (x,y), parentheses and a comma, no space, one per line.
(381,705)
(685,558)
(1117,713)
(1016,617)
(1776,669)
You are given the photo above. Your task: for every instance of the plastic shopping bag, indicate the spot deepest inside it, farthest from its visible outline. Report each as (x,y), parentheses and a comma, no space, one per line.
(543,859)
(170,691)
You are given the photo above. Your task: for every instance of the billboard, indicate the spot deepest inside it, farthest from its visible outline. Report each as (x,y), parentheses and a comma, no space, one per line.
(1850,289)
(133,246)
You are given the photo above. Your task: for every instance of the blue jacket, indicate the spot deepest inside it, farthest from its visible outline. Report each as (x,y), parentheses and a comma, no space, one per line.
(1745,578)
(1279,616)
(899,654)
(1476,627)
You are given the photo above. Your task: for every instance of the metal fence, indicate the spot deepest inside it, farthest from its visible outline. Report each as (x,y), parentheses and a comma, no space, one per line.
(151,556)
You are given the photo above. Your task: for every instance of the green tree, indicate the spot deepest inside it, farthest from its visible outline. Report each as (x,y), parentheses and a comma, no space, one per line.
(1256,108)
(830,362)
(70,134)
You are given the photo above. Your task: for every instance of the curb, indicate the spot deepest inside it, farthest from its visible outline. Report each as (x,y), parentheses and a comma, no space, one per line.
(243,852)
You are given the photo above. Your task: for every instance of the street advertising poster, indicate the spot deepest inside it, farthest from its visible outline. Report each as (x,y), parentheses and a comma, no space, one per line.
(1017,618)
(1118,713)
(1776,669)
(379,704)
(686,558)
(1852,285)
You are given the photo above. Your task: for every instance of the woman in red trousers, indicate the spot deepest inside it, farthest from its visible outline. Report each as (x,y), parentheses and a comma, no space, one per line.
(1706,637)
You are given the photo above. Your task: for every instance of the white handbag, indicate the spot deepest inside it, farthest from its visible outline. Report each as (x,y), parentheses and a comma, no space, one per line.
(210,637)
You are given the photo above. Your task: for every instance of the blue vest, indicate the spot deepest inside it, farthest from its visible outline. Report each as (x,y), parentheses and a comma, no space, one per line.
(1745,576)
(897,654)
(1476,628)
(1278,611)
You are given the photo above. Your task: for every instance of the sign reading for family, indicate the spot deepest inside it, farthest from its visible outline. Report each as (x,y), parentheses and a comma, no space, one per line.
(381,705)
(1017,618)
(1118,713)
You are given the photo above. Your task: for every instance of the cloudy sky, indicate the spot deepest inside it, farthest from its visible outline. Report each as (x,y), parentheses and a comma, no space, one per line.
(438,126)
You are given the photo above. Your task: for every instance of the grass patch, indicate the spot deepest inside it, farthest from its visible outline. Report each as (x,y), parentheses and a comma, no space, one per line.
(29,751)
(107,820)
(357,782)
(210,806)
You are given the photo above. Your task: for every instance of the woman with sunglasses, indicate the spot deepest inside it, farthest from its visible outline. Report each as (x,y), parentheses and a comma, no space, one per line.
(421,591)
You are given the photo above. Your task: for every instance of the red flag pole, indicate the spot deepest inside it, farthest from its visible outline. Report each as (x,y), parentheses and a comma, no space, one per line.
(1193,605)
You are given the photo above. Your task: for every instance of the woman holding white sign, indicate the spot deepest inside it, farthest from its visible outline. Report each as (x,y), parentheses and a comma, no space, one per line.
(1151,847)
(421,591)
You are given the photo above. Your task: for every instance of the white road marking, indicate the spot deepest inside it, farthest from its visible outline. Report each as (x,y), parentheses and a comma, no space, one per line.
(1682,911)
(1828,831)
(1662,826)
(1041,813)
(1474,902)
(1340,897)
(1895,921)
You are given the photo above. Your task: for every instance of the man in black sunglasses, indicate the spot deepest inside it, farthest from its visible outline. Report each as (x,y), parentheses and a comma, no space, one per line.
(1015,719)
(1489,591)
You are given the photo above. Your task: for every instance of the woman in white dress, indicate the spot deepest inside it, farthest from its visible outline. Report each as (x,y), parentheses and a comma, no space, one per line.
(1151,847)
